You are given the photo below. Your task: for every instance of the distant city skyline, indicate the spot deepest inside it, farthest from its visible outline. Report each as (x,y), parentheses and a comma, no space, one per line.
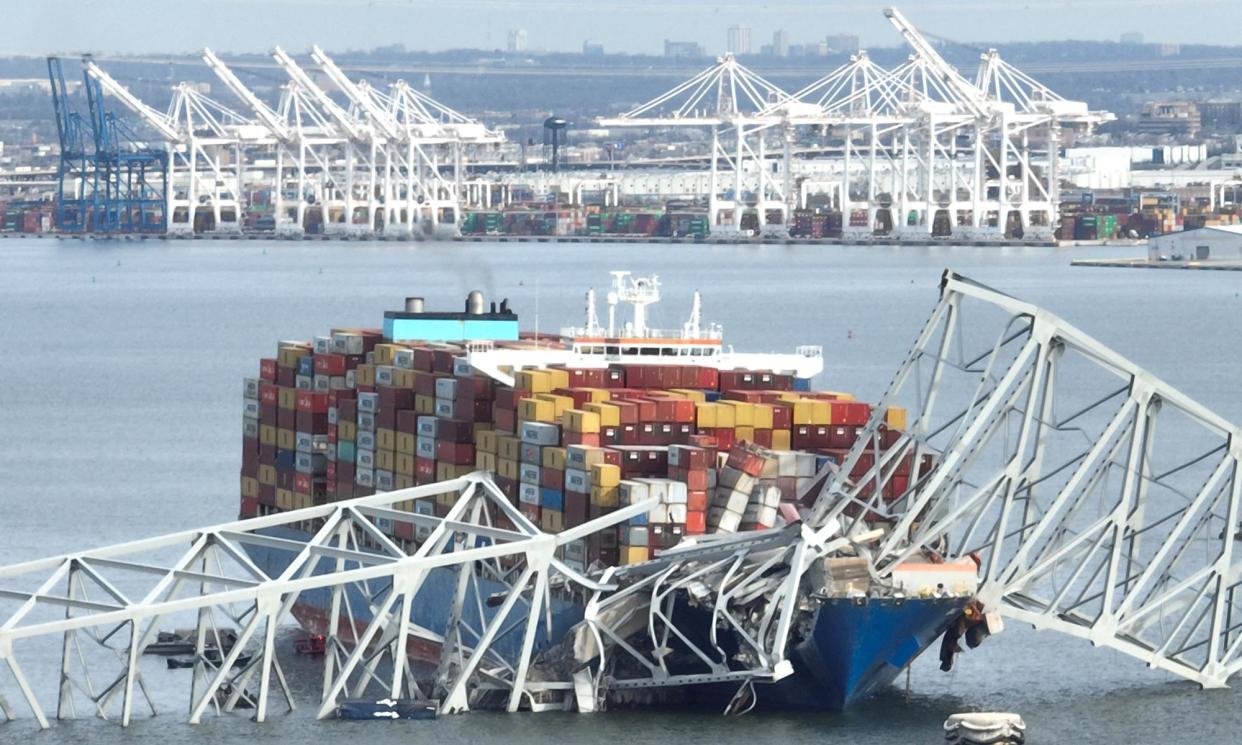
(235,26)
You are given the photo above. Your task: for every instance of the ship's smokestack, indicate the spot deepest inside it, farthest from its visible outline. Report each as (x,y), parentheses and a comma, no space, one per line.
(474,303)
(413,305)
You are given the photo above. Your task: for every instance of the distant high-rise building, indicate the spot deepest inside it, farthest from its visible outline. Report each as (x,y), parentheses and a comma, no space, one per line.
(517,40)
(1133,37)
(838,43)
(739,39)
(780,44)
(683,49)
(592,49)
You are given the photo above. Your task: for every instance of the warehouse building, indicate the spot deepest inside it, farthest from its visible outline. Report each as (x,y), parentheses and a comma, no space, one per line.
(1214,242)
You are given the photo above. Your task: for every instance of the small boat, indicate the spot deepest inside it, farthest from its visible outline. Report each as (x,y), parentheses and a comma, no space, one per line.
(212,656)
(182,643)
(314,644)
(387,708)
(985,728)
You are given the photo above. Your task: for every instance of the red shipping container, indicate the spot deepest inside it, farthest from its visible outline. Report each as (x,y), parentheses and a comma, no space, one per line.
(782,416)
(628,411)
(581,397)
(853,413)
(725,437)
(269,393)
(472,409)
(550,478)
(313,423)
(630,435)
(614,377)
(330,364)
(422,359)
(457,453)
(249,508)
(746,460)
(407,422)
(347,410)
(442,361)
(505,419)
(763,437)
(424,470)
(576,508)
(636,376)
(286,376)
(696,522)
(476,386)
(394,399)
(455,430)
(331,472)
(610,436)
(403,530)
(425,383)
(267,369)
(580,438)
(302,483)
(312,401)
(842,436)
(530,511)
(697,500)
(612,456)
(507,398)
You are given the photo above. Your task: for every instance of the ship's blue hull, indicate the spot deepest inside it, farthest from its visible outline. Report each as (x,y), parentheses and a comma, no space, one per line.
(856,646)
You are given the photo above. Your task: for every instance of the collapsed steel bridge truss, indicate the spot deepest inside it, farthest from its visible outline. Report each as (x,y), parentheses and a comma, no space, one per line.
(107,606)
(1101,501)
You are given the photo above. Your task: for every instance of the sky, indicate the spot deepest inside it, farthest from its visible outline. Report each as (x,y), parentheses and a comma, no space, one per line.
(41,27)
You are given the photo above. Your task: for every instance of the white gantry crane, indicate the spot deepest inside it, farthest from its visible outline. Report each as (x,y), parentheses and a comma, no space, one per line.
(206,143)
(730,99)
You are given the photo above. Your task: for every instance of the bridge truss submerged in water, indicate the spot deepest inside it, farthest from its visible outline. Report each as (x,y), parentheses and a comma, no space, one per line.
(1099,500)
(923,152)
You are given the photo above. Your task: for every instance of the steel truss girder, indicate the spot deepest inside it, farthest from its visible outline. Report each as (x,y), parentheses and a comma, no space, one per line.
(1101,501)
(215,581)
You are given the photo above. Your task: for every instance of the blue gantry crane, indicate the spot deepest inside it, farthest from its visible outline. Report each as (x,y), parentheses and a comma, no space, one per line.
(108,179)
(130,176)
(76,173)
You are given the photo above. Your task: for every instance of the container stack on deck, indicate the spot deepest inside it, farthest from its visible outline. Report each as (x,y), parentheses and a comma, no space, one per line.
(352,413)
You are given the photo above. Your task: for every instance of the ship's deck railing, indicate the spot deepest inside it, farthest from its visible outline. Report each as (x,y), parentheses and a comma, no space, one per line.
(650,335)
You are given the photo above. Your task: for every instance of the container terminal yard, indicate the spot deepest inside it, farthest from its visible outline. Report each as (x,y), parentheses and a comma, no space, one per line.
(914,153)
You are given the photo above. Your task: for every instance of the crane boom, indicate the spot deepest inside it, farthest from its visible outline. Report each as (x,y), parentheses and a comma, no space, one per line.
(325,102)
(159,122)
(968,94)
(378,116)
(265,114)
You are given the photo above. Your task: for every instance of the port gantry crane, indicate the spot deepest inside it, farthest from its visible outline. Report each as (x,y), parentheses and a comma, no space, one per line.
(205,142)
(731,98)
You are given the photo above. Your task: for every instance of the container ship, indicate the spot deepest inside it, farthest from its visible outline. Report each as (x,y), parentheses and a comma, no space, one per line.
(572,427)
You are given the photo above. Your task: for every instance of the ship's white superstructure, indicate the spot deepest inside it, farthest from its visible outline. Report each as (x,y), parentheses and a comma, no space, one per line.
(633,342)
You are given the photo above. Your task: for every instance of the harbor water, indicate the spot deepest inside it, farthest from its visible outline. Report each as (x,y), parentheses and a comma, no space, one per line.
(121,366)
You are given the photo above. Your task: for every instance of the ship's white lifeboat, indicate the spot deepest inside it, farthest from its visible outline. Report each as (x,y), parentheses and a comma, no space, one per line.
(985,728)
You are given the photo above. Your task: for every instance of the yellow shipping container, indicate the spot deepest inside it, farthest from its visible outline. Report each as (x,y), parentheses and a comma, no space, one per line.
(561,404)
(267,434)
(385,353)
(287,398)
(554,458)
(403,481)
(364,375)
(507,469)
(743,413)
(406,443)
(286,439)
(634,554)
(485,461)
(485,440)
(535,381)
(559,377)
(284,499)
(714,416)
(781,439)
(249,487)
(385,460)
(744,434)
(537,410)
(385,439)
(347,431)
(424,404)
(841,395)
(609,415)
(267,475)
(579,420)
(690,393)
(553,520)
(598,394)
(404,465)
(895,418)
(605,474)
(402,378)
(809,411)
(762,416)
(449,471)
(508,447)
(605,496)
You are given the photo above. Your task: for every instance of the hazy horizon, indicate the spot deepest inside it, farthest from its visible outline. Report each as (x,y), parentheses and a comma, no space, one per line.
(239,26)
